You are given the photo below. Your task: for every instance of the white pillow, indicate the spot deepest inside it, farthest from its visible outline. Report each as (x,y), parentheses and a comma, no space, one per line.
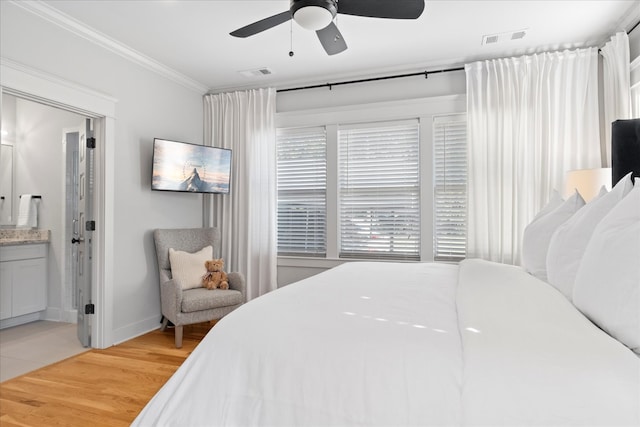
(187,269)
(607,287)
(536,237)
(554,201)
(569,241)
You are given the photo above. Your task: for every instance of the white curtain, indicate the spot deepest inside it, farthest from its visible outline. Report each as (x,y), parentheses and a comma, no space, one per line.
(530,119)
(616,85)
(245,122)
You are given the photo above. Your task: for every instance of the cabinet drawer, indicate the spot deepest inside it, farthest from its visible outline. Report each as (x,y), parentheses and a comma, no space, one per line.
(28,251)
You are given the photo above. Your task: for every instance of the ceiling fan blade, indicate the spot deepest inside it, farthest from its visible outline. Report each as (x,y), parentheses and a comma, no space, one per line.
(393,9)
(331,39)
(263,24)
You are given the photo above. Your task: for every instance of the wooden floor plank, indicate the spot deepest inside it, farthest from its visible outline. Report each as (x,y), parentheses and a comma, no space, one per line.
(99,387)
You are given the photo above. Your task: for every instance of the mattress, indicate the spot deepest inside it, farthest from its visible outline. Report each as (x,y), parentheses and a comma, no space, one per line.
(383,343)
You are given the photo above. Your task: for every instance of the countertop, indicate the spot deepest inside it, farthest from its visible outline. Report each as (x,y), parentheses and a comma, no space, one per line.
(20,236)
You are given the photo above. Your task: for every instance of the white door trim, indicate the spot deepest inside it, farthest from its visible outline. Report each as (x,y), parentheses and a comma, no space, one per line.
(48,89)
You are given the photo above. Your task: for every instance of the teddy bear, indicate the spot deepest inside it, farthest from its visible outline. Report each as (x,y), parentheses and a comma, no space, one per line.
(215,277)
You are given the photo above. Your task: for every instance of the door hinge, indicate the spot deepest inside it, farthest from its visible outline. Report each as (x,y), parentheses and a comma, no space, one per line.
(89,309)
(91,142)
(90,226)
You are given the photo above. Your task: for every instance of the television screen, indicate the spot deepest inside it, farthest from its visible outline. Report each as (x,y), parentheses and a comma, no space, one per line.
(178,166)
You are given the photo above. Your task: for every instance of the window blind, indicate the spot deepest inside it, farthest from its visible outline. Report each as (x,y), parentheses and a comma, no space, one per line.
(379,191)
(302,184)
(450,187)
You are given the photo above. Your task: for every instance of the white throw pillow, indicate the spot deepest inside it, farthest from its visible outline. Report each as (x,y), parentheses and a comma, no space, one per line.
(607,287)
(554,202)
(188,268)
(536,237)
(570,240)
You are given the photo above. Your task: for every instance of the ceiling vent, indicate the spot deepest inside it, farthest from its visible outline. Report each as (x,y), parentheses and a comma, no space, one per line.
(490,39)
(503,37)
(260,72)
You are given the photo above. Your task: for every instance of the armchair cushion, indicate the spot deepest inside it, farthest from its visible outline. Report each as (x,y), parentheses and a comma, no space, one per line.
(205,299)
(187,268)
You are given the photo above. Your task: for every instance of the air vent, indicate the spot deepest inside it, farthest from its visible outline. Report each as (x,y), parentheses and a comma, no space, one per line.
(260,72)
(503,37)
(490,39)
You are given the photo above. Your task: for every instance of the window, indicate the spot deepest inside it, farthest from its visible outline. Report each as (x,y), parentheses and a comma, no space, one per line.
(379,191)
(302,185)
(352,188)
(450,187)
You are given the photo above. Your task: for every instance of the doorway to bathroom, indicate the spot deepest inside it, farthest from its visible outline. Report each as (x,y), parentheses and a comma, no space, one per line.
(52,159)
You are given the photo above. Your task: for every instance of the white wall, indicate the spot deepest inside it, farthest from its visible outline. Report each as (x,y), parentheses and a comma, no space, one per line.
(148,105)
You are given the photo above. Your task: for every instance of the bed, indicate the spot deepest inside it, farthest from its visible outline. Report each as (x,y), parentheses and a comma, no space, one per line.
(553,343)
(405,344)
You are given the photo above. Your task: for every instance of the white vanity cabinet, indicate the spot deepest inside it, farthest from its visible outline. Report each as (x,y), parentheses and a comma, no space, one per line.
(23,281)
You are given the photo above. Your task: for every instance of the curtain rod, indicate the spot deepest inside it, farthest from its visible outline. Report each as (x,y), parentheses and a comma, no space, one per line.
(372,79)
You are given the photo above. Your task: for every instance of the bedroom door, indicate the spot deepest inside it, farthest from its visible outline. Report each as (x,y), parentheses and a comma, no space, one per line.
(83,226)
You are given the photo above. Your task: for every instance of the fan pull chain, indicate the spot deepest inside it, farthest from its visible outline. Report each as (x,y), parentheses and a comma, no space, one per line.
(291,38)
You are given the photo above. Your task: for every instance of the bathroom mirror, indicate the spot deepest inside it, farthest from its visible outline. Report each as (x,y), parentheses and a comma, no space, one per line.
(7,160)
(6,184)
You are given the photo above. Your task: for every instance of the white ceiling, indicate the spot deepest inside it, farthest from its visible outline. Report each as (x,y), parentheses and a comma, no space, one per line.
(192,37)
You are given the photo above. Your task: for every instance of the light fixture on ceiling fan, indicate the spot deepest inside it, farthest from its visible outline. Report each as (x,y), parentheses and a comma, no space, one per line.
(313,14)
(318,15)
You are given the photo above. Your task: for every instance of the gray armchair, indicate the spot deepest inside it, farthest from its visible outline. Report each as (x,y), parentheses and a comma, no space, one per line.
(184,307)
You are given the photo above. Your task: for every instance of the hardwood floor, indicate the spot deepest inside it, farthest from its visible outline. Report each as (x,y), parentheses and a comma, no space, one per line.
(99,387)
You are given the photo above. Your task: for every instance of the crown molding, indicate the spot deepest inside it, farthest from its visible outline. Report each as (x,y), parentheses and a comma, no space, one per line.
(80,29)
(36,85)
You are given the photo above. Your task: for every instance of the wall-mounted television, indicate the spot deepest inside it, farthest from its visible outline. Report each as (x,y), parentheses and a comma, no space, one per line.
(180,166)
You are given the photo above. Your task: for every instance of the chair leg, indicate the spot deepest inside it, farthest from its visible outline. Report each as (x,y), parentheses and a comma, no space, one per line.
(165,322)
(178,332)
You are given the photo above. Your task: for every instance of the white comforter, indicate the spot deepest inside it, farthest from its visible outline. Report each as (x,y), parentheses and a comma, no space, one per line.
(405,344)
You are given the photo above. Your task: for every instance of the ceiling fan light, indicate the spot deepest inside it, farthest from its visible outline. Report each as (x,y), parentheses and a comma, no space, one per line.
(313,17)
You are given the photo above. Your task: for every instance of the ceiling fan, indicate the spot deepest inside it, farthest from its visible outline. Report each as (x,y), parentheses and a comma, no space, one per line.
(317,15)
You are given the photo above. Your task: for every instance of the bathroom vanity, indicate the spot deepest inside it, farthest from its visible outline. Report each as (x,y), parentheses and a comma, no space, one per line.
(23,275)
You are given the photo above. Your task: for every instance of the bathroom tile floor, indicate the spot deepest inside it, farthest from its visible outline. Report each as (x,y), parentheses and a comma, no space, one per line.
(31,346)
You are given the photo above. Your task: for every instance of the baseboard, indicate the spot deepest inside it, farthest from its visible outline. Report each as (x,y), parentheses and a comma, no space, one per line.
(59,315)
(70,316)
(133,330)
(53,314)
(20,320)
